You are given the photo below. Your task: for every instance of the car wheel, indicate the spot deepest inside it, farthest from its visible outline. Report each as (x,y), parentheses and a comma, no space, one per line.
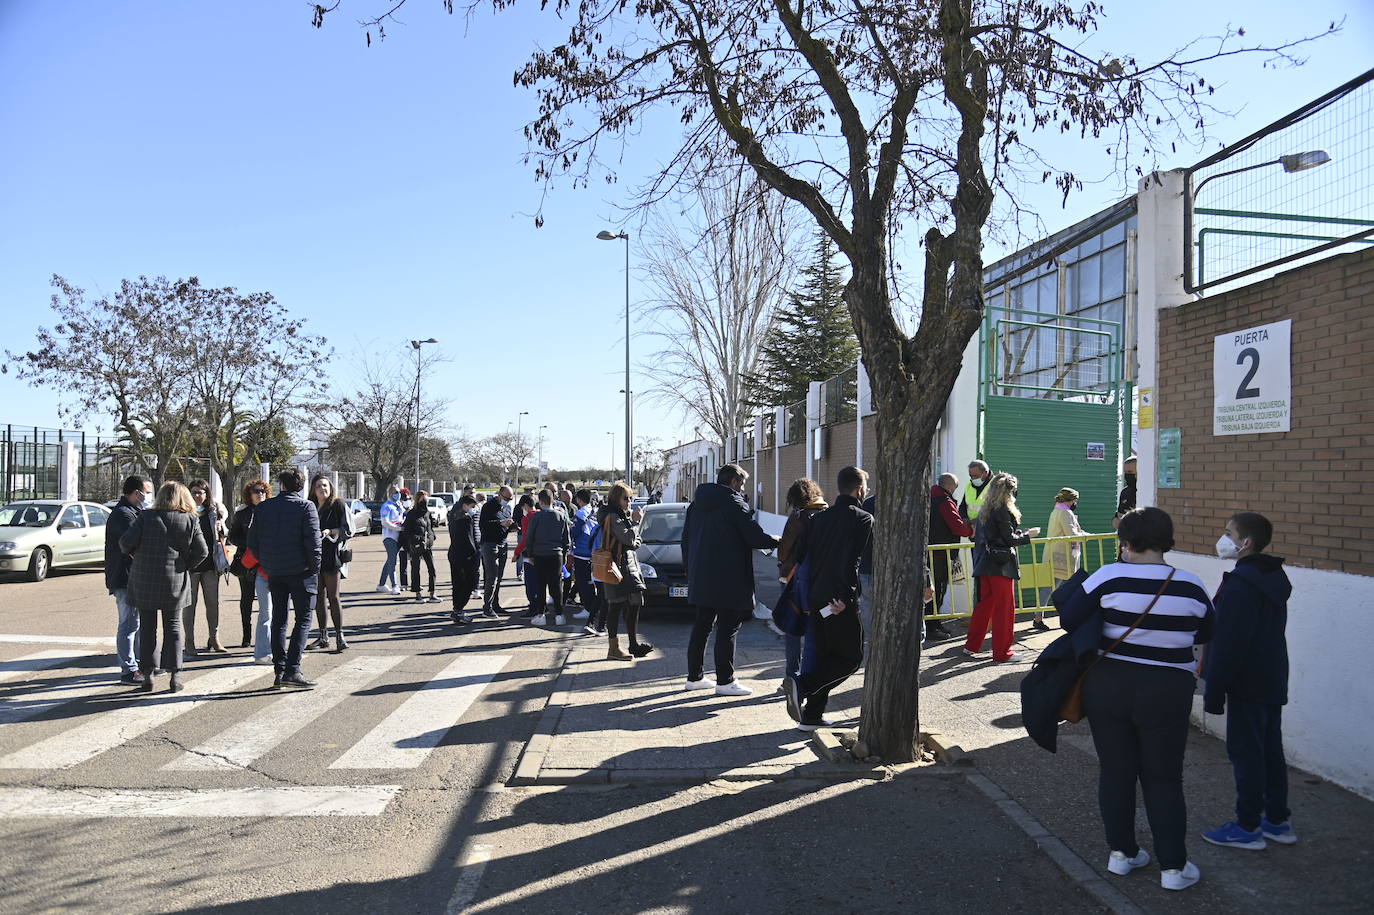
(39,564)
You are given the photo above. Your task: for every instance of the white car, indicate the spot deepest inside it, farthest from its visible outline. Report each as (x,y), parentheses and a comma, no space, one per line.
(39,535)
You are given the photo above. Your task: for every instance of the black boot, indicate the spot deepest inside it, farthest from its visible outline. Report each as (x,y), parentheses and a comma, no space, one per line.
(176,685)
(276,679)
(339,638)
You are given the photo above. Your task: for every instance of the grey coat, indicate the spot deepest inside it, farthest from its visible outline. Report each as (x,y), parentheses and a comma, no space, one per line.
(165,546)
(626,541)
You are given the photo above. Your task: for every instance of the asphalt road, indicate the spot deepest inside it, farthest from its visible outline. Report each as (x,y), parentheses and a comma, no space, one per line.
(383,789)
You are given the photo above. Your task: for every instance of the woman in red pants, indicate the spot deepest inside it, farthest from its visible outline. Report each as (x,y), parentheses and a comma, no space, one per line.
(998,569)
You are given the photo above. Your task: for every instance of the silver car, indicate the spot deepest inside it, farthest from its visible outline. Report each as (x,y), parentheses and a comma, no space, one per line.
(362,517)
(38,535)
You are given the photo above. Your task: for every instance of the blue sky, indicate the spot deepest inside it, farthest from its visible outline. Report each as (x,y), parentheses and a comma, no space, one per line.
(379,193)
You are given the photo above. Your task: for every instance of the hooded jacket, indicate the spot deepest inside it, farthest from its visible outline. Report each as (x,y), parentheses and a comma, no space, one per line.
(1247,659)
(717,540)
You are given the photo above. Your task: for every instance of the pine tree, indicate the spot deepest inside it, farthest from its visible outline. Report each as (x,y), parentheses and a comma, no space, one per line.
(811,338)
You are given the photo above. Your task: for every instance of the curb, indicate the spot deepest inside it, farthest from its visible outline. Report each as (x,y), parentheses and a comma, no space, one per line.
(537,748)
(950,754)
(1073,866)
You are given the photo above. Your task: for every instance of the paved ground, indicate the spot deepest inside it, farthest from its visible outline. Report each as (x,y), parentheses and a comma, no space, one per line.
(390,787)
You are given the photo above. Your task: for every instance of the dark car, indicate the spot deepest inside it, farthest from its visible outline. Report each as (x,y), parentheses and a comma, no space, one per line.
(660,555)
(374,525)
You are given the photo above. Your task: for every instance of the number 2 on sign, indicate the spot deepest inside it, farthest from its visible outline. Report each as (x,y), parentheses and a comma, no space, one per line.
(1243,391)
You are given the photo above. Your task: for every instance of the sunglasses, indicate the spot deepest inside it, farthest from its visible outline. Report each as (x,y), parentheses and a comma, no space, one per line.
(198,492)
(259,492)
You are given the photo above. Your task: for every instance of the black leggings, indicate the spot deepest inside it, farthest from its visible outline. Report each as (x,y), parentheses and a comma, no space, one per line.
(415,557)
(248,585)
(629,605)
(550,572)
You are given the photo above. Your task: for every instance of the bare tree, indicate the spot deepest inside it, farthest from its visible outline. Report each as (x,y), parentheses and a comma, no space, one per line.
(874,116)
(716,278)
(373,427)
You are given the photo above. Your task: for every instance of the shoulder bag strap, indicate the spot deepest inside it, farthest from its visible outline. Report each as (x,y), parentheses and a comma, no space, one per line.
(1138,619)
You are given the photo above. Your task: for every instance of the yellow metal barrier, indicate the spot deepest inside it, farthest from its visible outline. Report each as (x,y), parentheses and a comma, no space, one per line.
(1037,579)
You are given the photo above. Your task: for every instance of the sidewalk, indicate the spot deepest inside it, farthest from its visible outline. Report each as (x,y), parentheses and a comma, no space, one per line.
(625,722)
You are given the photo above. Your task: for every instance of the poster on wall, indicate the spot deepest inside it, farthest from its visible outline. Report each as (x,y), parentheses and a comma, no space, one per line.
(1170,461)
(1252,380)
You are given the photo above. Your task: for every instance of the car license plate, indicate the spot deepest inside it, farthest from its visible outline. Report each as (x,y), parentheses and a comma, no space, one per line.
(677,592)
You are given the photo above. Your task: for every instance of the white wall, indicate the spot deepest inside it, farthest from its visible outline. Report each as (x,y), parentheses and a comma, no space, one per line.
(1327,726)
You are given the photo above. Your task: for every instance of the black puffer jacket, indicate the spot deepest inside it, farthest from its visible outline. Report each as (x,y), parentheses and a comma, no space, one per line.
(717,543)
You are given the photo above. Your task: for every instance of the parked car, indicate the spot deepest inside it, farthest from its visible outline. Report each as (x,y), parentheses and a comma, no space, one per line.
(374,516)
(660,555)
(362,517)
(438,512)
(450,499)
(39,535)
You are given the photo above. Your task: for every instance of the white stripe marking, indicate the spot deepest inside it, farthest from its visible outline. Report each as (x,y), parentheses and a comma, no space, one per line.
(111,728)
(469,879)
(20,706)
(256,735)
(101,642)
(404,738)
(347,800)
(40,660)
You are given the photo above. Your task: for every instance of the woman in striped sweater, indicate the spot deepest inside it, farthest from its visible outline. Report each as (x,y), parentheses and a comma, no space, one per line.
(1139,692)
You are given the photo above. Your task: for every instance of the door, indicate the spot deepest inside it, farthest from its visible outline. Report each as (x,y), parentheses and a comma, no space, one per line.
(72,537)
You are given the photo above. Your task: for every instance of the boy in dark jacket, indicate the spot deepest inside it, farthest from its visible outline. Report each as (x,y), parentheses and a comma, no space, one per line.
(1246,669)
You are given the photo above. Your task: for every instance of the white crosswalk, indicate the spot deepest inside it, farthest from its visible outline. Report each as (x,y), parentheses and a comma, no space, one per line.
(402,739)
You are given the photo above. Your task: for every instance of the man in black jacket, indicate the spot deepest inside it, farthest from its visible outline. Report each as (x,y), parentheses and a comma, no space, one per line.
(285,537)
(463,557)
(835,543)
(138,495)
(718,538)
(494,522)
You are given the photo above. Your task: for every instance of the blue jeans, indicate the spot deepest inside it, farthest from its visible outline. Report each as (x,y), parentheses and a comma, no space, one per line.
(393,546)
(299,591)
(262,633)
(126,633)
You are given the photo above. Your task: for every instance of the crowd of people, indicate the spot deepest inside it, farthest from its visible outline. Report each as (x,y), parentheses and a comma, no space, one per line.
(1139,618)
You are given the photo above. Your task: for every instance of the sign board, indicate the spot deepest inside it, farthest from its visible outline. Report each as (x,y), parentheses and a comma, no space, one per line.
(1145,419)
(1097,451)
(544,466)
(1170,458)
(1252,380)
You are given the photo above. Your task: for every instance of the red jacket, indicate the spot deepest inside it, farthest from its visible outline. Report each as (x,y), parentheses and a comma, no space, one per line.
(944,511)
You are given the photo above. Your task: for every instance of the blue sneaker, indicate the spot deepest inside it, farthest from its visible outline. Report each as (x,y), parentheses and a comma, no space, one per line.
(1232,835)
(1281,833)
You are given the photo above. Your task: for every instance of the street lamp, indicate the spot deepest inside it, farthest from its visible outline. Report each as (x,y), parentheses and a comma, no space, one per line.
(1294,162)
(519,441)
(605,235)
(417,344)
(541,447)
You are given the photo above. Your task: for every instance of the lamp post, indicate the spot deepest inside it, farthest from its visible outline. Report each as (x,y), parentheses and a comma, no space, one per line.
(416,344)
(519,441)
(612,468)
(605,235)
(541,447)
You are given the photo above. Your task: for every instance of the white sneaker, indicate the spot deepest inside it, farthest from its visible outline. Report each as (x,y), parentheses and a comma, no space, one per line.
(266,660)
(537,620)
(815,725)
(581,615)
(733,688)
(476,595)
(383,589)
(560,621)
(394,589)
(589,629)
(1180,879)
(703,683)
(1118,863)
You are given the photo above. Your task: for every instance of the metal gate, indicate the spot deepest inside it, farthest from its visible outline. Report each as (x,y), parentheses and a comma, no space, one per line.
(1052,407)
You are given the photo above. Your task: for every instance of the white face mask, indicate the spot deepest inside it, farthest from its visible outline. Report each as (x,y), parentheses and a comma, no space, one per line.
(1226,548)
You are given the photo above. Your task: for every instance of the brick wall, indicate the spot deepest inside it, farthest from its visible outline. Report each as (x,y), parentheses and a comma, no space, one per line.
(1315,482)
(791,465)
(763,459)
(839,452)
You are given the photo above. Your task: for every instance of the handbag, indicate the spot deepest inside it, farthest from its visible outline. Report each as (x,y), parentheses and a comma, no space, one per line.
(1072,707)
(221,558)
(604,568)
(789,613)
